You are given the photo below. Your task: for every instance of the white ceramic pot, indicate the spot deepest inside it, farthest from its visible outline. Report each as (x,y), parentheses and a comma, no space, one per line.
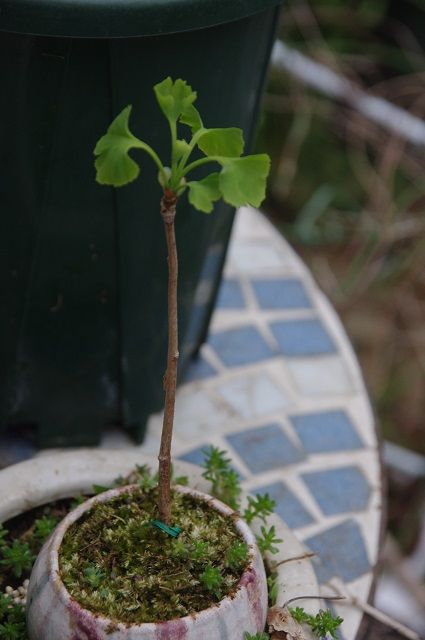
(52,614)
(51,477)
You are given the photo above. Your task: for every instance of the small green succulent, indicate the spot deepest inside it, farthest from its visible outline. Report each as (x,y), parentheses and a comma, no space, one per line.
(267,540)
(3,535)
(12,619)
(43,527)
(93,576)
(322,624)
(212,580)
(225,480)
(17,557)
(273,588)
(259,507)
(237,555)
(12,630)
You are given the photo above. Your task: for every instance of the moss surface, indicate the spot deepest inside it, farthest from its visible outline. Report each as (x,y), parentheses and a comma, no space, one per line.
(114,562)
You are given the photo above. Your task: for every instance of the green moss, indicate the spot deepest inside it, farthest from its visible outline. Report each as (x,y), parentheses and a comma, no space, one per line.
(114,562)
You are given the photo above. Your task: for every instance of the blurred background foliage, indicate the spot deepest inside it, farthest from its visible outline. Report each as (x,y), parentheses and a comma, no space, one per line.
(349,194)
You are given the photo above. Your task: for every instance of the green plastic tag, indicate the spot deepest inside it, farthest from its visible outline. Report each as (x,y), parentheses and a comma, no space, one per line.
(172,531)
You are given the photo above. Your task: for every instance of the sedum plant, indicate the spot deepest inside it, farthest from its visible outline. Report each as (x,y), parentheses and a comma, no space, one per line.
(323,624)
(225,482)
(16,557)
(238,179)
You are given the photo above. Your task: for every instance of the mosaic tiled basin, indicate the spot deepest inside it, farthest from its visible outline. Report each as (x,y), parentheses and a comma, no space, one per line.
(51,477)
(52,614)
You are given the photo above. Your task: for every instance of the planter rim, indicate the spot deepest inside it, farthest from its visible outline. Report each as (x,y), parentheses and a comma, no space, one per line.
(74,515)
(121,18)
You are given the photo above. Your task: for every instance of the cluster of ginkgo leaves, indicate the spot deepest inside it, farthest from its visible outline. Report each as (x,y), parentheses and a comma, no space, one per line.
(240,179)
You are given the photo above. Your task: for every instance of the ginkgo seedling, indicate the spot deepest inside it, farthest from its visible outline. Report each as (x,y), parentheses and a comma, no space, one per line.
(239,180)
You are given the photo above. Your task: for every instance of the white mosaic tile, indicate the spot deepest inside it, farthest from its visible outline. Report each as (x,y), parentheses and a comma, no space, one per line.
(198,414)
(211,357)
(253,395)
(320,376)
(334,325)
(359,408)
(253,257)
(251,226)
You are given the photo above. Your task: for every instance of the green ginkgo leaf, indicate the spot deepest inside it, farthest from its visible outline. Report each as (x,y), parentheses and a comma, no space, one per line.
(113,164)
(228,143)
(192,118)
(181,147)
(175,98)
(243,180)
(203,193)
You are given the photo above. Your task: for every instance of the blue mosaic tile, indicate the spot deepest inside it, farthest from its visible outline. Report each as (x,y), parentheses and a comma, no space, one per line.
(230,295)
(199,369)
(338,490)
(197,456)
(288,507)
(326,431)
(302,337)
(240,346)
(341,552)
(265,448)
(288,293)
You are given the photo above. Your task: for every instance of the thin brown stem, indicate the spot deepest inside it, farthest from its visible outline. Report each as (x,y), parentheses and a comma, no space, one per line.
(168,213)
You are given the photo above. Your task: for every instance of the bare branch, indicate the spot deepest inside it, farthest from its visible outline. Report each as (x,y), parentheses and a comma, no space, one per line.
(168,212)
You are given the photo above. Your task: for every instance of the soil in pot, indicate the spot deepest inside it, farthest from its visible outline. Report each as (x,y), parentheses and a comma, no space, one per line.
(115,562)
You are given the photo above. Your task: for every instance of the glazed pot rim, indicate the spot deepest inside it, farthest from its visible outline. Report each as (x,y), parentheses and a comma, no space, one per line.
(55,541)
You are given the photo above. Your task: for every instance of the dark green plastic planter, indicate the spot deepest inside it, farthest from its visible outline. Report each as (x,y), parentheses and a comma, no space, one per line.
(83,268)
